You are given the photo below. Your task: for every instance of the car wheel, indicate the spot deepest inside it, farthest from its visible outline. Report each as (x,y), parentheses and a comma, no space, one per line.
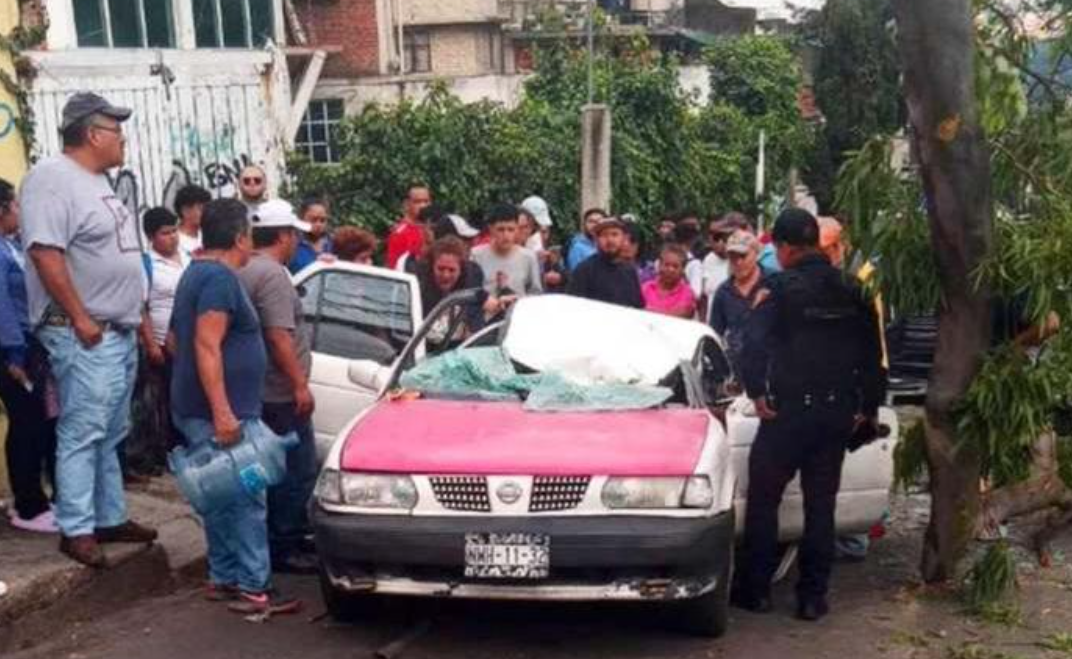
(341,605)
(708,615)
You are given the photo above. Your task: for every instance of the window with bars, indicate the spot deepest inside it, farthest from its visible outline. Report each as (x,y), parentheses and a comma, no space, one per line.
(124,23)
(232,23)
(318,131)
(417,51)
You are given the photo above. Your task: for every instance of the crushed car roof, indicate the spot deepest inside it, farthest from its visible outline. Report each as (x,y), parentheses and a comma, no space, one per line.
(594,342)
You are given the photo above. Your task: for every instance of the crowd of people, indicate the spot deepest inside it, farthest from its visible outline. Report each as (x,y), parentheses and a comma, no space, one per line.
(123,337)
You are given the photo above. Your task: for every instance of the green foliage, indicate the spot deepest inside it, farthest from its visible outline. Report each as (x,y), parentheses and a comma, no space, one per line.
(670,151)
(754,86)
(1013,397)
(992,581)
(857,83)
(968,650)
(1011,403)
(888,225)
(1058,642)
(910,458)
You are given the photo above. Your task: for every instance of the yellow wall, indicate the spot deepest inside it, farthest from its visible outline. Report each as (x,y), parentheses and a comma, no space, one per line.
(12,162)
(12,152)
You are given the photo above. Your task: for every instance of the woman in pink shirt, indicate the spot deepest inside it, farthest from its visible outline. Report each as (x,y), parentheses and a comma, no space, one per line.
(669,293)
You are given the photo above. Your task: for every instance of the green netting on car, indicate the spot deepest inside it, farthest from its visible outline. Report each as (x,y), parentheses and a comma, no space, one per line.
(487,374)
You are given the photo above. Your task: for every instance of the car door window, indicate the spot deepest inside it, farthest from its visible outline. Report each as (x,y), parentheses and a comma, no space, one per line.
(357,316)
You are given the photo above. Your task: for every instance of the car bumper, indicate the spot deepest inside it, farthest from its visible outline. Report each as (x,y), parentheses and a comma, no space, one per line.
(605,558)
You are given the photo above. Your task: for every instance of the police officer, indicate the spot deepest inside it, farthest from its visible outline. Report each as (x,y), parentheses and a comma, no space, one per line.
(811,365)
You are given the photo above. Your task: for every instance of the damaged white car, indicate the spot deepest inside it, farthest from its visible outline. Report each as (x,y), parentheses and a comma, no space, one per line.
(574,451)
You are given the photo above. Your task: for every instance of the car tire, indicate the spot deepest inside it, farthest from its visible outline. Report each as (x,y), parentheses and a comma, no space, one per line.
(709,614)
(340,605)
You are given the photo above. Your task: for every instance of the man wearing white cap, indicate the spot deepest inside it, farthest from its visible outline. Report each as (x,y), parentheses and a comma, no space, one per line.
(536,208)
(288,402)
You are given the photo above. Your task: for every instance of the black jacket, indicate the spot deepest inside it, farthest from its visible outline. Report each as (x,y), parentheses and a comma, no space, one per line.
(815,333)
(601,278)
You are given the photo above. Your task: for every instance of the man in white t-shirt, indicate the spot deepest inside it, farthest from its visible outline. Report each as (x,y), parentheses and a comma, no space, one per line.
(153,435)
(189,203)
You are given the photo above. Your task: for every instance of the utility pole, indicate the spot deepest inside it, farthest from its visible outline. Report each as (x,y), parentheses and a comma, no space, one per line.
(595,136)
(591,51)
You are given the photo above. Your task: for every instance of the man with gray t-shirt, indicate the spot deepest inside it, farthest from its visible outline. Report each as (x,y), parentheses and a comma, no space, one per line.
(288,402)
(510,271)
(86,288)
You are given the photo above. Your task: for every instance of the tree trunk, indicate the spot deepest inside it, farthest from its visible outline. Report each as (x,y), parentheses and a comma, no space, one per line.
(938,50)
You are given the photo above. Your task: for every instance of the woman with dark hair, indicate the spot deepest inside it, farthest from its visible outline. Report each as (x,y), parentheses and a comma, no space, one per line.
(316,212)
(24,384)
(669,293)
(446,270)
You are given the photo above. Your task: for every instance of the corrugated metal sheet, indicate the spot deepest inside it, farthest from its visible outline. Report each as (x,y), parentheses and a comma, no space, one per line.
(200,134)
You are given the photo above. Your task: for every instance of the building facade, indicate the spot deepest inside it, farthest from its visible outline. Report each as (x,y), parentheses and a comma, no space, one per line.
(208,82)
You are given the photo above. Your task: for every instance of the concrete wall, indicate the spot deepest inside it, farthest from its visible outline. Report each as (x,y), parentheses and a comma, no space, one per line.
(445,12)
(462,50)
(505,89)
(500,88)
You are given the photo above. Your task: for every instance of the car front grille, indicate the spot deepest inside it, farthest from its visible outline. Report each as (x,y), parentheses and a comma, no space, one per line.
(465,493)
(550,493)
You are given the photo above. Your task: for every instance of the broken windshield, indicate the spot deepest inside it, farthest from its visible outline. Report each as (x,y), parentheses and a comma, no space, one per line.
(488,374)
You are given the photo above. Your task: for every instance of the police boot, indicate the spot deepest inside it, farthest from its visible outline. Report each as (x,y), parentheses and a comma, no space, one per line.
(812,608)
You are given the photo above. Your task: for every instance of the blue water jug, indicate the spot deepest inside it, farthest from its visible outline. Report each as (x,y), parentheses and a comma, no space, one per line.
(211,477)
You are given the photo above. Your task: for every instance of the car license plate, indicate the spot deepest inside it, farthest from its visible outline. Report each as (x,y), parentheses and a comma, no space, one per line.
(507,555)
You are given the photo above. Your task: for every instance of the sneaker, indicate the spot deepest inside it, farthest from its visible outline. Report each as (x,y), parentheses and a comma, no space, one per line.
(126,532)
(84,549)
(3,589)
(43,523)
(221,592)
(266,602)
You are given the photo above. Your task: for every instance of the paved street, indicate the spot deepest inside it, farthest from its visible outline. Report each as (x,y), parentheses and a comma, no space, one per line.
(878,613)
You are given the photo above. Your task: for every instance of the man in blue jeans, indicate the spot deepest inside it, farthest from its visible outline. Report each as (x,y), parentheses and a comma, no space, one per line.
(288,403)
(216,389)
(85,284)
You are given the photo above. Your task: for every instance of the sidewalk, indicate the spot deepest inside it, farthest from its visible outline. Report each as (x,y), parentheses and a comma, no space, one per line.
(38,575)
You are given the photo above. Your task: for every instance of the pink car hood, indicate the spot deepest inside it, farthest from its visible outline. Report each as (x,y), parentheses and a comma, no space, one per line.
(451,437)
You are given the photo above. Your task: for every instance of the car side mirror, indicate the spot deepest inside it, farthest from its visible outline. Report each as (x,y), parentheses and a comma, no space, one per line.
(368,374)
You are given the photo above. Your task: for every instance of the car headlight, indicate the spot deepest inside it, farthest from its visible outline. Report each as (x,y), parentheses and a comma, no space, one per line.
(378,491)
(658,492)
(328,487)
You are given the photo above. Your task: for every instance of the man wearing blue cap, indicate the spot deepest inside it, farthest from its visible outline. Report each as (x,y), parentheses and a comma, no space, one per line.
(812,366)
(86,285)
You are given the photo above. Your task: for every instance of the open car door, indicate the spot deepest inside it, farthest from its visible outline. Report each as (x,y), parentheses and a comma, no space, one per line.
(360,318)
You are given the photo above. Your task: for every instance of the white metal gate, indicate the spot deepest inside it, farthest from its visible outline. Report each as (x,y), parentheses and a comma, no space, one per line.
(200,134)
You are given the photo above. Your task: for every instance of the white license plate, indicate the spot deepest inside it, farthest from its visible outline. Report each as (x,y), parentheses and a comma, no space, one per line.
(507,555)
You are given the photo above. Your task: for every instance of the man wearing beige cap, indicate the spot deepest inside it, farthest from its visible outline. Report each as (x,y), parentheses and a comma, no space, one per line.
(735,298)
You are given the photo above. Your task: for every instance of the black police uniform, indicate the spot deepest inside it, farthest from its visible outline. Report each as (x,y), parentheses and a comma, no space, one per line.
(812,347)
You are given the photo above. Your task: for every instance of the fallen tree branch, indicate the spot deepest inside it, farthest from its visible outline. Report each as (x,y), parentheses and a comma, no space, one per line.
(1042,500)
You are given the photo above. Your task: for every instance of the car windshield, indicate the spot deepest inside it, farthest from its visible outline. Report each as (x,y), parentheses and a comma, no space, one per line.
(488,374)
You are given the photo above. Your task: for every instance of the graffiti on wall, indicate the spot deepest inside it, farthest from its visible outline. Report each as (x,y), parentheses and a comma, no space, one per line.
(200,134)
(218,177)
(125,184)
(7,120)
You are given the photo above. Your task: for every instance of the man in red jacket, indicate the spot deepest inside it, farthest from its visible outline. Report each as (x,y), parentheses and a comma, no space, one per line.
(407,236)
